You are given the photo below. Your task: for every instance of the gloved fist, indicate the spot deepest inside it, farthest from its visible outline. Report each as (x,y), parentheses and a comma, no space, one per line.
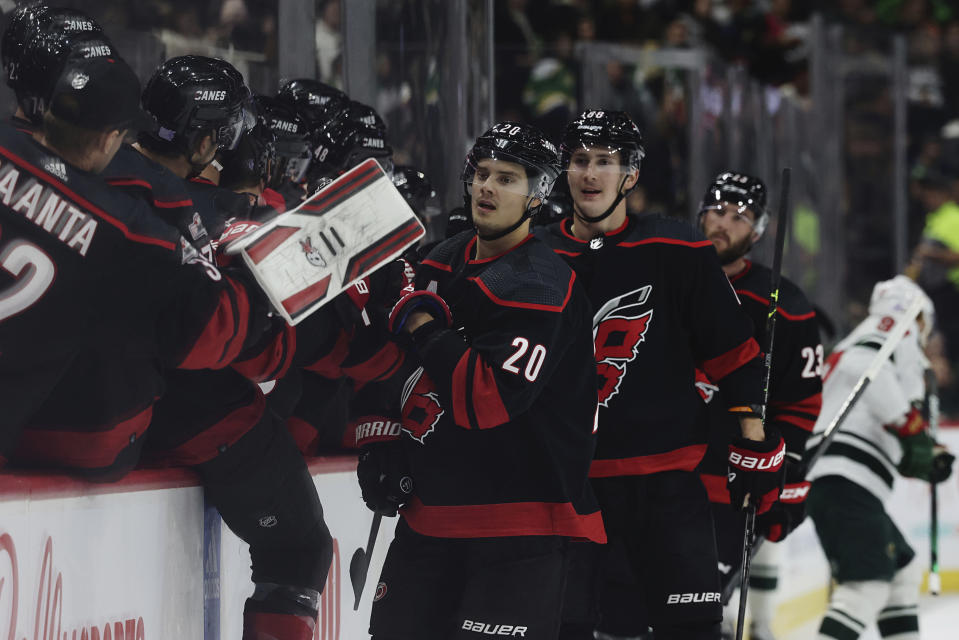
(421,300)
(755,469)
(924,458)
(384,477)
(941,464)
(789,511)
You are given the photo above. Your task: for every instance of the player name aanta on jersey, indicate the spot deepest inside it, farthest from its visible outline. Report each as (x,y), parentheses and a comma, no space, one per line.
(45,207)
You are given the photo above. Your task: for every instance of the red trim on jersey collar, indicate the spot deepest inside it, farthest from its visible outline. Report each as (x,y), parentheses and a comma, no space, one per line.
(569,232)
(437,265)
(472,243)
(779,310)
(526,305)
(683,459)
(747,269)
(696,244)
(100,213)
(507,519)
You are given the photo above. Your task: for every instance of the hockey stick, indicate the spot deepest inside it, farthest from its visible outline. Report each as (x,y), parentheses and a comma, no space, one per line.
(749,531)
(360,562)
(932,416)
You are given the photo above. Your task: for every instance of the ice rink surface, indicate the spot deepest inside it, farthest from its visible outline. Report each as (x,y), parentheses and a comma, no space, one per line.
(938,620)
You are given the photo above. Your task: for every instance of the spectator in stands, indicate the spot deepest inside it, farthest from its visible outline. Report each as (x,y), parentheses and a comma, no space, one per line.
(937,257)
(328,41)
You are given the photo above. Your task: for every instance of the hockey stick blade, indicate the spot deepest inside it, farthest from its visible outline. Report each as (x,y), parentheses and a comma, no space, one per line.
(360,563)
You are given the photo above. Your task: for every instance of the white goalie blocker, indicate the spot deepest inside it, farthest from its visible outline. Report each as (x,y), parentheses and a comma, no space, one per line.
(306,256)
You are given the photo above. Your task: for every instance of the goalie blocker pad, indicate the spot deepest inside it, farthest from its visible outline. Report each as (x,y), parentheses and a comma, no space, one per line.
(307,256)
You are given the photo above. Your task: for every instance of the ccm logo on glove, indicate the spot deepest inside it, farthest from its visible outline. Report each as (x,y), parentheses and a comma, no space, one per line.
(793,493)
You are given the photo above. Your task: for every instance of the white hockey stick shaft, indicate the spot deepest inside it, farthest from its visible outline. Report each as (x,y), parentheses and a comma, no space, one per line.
(895,336)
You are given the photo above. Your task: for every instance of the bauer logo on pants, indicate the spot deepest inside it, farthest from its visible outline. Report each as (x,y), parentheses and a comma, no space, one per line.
(691,598)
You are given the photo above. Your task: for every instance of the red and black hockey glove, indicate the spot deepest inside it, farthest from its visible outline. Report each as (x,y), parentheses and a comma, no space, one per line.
(384,476)
(421,300)
(789,511)
(756,468)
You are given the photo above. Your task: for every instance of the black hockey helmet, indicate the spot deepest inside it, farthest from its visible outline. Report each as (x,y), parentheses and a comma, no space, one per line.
(293,141)
(610,131)
(31,21)
(23,26)
(522,144)
(739,189)
(253,159)
(46,55)
(417,190)
(614,130)
(190,96)
(345,141)
(315,98)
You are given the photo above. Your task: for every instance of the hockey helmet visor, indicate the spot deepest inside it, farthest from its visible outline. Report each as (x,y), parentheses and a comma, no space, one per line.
(485,167)
(601,157)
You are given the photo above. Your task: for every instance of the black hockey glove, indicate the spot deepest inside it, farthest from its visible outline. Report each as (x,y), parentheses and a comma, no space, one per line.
(789,511)
(421,300)
(384,477)
(756,468)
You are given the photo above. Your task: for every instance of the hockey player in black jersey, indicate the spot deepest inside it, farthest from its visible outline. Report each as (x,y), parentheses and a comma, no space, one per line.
(662,309)
(497,421)
(128,298)
(217,421)
(733,217)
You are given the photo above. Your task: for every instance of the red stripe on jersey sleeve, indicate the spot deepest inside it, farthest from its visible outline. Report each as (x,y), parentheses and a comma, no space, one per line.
(684,459)
(82,449)
(377,366)
(172,204)
(273,361)
(806,424)
(487,402)
(304,435)
(509,519)
(721,366)
(812,404)
(459,391)
(222,338)
(716,488)
(329,365)
(206,445)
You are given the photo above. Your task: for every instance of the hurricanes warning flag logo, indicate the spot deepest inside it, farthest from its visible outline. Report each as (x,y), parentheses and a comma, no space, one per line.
(421,406)
(618,328)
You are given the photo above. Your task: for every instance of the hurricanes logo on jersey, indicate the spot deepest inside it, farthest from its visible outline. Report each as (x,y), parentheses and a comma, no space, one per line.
(421,406)
(618,328)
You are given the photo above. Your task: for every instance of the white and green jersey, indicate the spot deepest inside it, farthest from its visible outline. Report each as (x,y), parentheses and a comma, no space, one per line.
(864,451)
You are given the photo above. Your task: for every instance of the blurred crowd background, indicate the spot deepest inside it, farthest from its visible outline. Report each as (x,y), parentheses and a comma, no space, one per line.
(860,98)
